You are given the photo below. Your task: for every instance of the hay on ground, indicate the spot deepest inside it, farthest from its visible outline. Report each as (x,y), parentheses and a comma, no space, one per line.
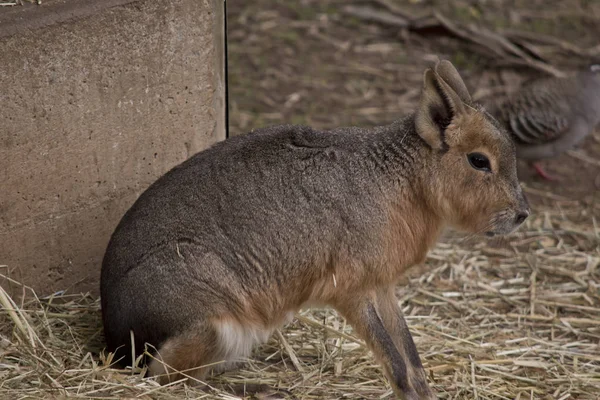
(510,319)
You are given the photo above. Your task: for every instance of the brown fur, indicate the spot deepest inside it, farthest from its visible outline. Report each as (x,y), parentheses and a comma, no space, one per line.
(228,246)
(190,354)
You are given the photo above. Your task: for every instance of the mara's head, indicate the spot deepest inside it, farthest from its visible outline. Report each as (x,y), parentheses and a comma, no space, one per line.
(472,183)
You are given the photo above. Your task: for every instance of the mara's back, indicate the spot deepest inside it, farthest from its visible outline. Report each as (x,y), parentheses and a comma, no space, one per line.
(245,218)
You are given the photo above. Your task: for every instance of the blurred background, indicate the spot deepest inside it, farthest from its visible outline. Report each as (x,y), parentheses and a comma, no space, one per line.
(330,63)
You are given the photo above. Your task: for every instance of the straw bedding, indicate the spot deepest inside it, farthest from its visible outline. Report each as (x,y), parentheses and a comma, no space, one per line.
(517,318)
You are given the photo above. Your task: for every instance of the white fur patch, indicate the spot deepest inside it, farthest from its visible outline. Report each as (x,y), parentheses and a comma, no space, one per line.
(236,340)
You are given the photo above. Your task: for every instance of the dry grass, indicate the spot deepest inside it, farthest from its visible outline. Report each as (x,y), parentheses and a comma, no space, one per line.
(515,319)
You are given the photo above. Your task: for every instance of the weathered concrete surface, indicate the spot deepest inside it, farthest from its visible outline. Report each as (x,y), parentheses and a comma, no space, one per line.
(97,99)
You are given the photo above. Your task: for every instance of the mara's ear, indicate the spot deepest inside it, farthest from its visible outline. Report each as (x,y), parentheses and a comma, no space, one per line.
(439,105)
(450,75)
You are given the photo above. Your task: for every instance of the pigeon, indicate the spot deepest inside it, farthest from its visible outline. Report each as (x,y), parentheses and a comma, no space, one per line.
(551,115)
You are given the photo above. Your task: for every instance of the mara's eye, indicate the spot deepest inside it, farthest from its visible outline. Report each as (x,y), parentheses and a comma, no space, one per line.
(480,162)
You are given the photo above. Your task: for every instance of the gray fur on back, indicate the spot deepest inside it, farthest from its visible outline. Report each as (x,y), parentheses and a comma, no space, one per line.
(244,208)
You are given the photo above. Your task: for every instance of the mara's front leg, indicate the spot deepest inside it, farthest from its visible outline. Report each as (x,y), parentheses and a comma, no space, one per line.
(378,319)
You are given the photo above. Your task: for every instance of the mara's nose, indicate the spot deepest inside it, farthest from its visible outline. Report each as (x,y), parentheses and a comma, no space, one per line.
(523,208)
(521,217)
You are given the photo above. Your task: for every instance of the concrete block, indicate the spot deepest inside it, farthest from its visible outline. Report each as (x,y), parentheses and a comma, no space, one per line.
(97,99)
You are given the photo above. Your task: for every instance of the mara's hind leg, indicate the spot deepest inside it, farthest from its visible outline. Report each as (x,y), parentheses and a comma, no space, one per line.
(210,346)
(193,354)
(216,347)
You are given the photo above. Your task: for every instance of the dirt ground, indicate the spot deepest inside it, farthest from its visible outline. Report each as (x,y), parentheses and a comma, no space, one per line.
(308,62)
(311,62)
